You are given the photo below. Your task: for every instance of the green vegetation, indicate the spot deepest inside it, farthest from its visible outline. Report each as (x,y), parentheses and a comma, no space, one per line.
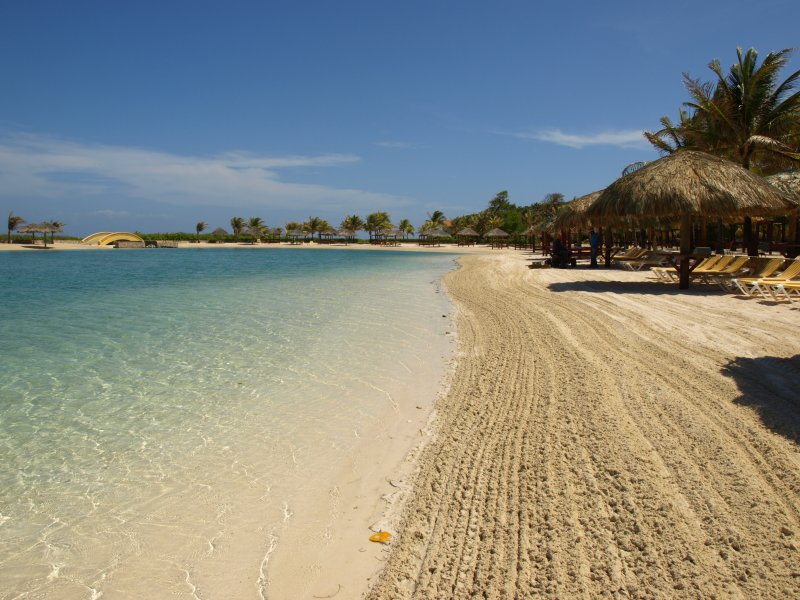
(746,115)
(200,228)
(14,221)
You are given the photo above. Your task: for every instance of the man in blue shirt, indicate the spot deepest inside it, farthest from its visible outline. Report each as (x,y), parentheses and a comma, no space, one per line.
(594,245)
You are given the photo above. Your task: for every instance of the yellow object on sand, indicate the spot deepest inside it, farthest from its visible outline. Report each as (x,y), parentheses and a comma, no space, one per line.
(382,537)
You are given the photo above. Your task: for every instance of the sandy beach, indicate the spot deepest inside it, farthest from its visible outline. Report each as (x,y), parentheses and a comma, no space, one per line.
(606,436)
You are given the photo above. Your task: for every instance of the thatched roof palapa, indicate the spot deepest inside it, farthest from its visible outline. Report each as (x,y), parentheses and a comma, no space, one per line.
(688,183)
(495,233)
(573,214)
(787,182)
(436,232)
(468,232)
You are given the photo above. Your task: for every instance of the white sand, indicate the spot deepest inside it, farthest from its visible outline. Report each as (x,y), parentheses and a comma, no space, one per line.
(605,436)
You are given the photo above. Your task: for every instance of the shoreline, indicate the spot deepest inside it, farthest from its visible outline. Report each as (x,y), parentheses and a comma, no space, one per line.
(606,435)
(368,494)
(402,246)
(295,546)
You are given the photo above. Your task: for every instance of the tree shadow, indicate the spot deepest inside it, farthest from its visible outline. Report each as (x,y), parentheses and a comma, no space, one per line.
(649,288)
(771,386)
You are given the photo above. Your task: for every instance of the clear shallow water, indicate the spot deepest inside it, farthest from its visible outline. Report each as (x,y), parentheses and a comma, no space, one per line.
(162,411)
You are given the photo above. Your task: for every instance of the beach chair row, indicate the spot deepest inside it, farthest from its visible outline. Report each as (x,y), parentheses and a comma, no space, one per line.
(768,277)
(637,259)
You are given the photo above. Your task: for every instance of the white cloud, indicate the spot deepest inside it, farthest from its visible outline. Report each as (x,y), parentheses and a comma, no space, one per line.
(630,138)
(43,167)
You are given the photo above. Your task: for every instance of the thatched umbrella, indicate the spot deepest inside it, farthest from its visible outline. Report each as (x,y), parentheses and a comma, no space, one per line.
(43,228)
(688,185)
(468,232)
(573,214)
(294,235)
(789,183)
(434,233)
(496,233)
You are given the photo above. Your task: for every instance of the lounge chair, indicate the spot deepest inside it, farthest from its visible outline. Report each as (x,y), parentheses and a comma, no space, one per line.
(670,273)
(733,268)
(727,281)
(648,259)
(631,254)
(750,285)
(787,288)
(722,262)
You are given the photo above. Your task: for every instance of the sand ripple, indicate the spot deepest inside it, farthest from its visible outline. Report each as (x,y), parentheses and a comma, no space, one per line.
(607,439)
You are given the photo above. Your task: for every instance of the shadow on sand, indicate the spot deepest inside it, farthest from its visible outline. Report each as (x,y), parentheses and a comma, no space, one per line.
(771,386)
(650,288)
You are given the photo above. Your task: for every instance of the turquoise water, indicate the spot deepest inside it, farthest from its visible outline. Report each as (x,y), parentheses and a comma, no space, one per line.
(162,411)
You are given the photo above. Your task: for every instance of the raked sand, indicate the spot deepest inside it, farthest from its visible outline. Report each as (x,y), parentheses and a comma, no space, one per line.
(606,436)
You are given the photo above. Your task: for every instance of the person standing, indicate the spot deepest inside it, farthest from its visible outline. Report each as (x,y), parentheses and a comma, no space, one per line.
(594,247)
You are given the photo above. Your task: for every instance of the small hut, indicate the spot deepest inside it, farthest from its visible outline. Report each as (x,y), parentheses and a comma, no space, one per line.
(389,237)
(573,214)
(467,236)
(295,236)
(43,228)
(219,235)
(497,238)
(432,237)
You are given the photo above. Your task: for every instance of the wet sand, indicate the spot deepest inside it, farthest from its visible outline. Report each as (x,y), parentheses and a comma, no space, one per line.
(605,435)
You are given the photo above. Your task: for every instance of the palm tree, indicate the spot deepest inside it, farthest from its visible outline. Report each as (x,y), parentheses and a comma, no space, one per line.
(237,224)
(55,227)
(460,222)
(436,219)
(746,115)
(352,223)
(14,221)
(200,228)
(256,226)
(294,226)
(752,116)
(494,222)
(671,137)
(316,225)
(406,227)
(377,221)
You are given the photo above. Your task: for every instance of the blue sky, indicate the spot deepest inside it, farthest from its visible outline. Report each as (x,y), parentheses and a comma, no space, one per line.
(152,116)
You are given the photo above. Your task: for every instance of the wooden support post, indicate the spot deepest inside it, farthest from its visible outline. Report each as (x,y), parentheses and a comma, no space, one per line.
(686,248)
